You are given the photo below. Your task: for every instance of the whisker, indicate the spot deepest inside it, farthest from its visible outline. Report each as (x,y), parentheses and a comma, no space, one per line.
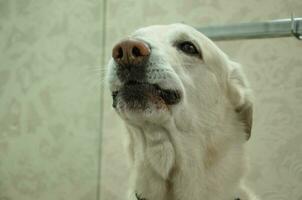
(93,76)
(95,68)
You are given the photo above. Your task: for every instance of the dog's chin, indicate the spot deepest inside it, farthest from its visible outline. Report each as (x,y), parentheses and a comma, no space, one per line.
(144,101)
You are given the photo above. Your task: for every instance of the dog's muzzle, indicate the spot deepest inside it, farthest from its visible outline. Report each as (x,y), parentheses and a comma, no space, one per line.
(131,59)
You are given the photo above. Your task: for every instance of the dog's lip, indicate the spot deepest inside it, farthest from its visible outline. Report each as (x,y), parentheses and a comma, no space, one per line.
(170,96)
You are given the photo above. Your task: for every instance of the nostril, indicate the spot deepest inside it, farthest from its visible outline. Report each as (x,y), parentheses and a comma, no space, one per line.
(119,53)
(136,52)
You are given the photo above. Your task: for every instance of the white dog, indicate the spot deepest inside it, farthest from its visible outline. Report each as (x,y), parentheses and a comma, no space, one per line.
(188,111)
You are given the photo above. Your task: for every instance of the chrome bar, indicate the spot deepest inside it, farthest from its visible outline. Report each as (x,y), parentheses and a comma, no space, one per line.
(270,29)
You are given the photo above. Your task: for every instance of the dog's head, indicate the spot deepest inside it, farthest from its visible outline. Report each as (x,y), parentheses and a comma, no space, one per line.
(160,73)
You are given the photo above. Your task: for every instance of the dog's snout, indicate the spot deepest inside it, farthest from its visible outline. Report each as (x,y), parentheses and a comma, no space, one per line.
(130,52)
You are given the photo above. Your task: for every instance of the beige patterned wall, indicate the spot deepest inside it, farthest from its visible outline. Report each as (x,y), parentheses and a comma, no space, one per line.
(49,99)
(273,66)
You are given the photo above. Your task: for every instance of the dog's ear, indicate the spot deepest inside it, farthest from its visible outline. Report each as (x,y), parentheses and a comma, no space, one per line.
(240,96)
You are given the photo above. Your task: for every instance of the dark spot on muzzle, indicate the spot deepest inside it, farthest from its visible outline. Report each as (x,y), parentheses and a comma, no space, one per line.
(136,95)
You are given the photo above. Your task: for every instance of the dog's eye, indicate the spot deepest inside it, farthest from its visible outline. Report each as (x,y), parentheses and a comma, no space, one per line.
(188,48)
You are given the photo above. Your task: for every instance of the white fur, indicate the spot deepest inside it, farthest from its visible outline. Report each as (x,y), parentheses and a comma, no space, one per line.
(193,150)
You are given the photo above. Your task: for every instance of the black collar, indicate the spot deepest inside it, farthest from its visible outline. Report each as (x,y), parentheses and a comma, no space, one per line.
(138,197)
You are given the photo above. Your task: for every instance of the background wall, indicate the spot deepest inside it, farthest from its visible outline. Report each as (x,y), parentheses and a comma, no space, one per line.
(273,66)
(49,99)
(50,94)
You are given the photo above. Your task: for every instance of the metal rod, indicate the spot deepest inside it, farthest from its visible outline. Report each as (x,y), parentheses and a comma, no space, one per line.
(270,29)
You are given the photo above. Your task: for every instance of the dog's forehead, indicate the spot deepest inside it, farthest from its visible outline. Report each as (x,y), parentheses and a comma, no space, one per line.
(163,31)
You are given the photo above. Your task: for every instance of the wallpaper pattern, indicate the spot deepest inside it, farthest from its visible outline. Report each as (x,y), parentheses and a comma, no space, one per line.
(49,99)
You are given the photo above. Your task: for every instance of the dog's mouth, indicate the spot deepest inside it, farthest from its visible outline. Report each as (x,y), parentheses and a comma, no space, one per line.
(138,95)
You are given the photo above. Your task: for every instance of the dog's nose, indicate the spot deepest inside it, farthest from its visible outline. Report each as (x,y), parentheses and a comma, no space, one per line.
(130,52)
